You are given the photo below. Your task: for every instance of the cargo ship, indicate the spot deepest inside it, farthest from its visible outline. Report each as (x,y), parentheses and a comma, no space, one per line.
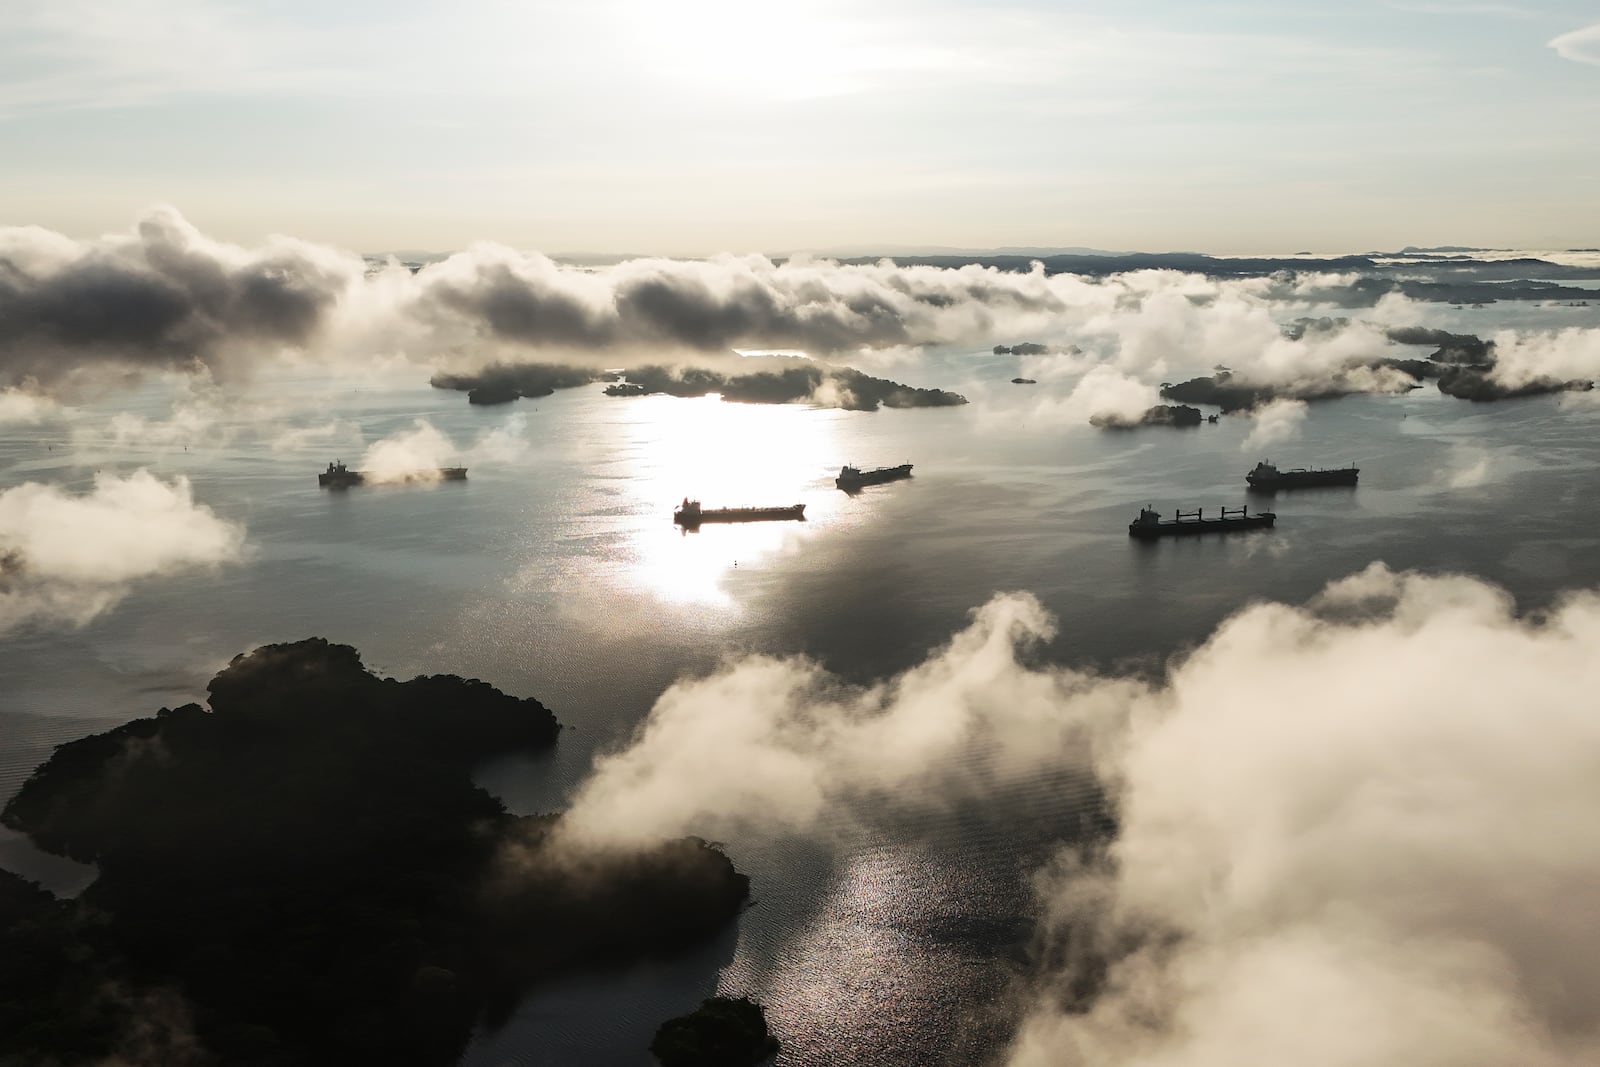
(690,513)
(338,476)
(855,478)
(1266,476)
(1149,524)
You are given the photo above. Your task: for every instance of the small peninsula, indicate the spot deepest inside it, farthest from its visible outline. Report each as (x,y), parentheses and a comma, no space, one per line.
(305,872)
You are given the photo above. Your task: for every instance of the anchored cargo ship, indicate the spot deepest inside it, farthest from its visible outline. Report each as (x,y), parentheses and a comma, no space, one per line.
(690,513)
(1266,476)
(338,476)
(1149,524)
(855,478)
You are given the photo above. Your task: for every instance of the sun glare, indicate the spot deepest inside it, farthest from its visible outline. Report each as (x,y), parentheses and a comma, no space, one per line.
(724,455)
(765,51)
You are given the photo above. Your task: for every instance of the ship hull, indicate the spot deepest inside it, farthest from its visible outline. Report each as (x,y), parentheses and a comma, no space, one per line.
(708,515)
(877,477)
(347,479)
(1150,531)
(1303,479)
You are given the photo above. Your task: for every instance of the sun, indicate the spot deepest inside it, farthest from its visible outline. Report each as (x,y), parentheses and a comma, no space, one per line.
(805,48)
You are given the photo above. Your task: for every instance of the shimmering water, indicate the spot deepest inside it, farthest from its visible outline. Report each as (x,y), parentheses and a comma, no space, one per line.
(557,573)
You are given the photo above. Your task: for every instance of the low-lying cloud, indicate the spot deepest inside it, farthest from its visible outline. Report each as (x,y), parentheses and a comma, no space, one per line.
(165,297)
(65,558)
(1106,396)
(1274,423)
(24,407)
(417,453)
(1355,831)
(1351,832)
(162,297)
(1558,355)
(769,745)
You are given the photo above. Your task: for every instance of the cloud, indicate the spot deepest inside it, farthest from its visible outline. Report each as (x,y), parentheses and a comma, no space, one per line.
(1348,832)
(410,455)
(1580,46)
(163,297)
(332,435)
(716,305)
(187,424)
(202,414)
(1470,467)
(1523,356)
(1274,422)
(167,297)
(1108,396)
(65,558)
(417,453)
(22,406)
(770,745)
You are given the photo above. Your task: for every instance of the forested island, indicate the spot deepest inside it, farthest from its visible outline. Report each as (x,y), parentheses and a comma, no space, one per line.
(502,383)
(768,380)
(1462,365)
(1462,279)
(1159,415)
(305,873)
(1230,393)
(722,1032)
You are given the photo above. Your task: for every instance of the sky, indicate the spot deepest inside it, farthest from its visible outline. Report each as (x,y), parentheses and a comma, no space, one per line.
(701,126)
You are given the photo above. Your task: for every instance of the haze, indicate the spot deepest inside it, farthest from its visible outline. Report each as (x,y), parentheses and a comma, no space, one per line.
(620,126)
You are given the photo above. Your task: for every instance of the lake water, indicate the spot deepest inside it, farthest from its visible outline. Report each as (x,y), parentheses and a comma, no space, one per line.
(555,571)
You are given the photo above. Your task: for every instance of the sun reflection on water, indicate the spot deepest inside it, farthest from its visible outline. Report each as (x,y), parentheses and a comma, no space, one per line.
(724,455)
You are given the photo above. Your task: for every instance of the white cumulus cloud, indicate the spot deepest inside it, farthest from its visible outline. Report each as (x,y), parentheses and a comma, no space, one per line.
(1355,831)
(1581,46)
(66,558)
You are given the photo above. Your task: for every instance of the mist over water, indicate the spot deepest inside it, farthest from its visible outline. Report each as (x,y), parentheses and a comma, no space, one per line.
(555,571)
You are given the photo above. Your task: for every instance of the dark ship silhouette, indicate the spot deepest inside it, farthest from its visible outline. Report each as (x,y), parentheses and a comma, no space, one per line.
(338,476)
(1149,524)
(854,478)
(1267,476)
(690,514)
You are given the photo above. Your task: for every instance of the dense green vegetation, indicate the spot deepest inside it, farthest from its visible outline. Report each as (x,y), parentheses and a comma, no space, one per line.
(1160,415)
(791,381)
(503,383)
(306,873)
(764,380)
(722,1032)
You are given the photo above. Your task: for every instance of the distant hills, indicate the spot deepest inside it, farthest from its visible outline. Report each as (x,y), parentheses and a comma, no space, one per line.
(896,251)
(1101,261)
(1414,250)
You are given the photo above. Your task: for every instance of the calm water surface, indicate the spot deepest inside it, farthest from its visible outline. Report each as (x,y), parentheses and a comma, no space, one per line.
(556,572)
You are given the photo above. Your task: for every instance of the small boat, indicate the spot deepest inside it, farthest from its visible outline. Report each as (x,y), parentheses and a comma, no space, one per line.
(1149,524)
(690,513)
(855,478)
